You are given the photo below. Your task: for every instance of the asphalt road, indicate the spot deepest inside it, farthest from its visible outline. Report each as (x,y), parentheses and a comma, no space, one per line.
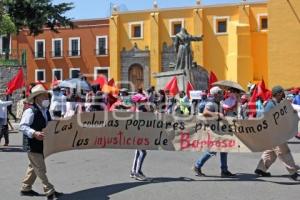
(104,174)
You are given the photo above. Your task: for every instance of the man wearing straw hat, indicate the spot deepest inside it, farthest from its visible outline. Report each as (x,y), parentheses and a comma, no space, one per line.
(33,121)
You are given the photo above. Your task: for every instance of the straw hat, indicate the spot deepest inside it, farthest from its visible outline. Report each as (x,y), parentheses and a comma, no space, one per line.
(35,91)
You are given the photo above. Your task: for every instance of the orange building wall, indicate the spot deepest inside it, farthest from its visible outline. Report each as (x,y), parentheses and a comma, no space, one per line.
(86,30)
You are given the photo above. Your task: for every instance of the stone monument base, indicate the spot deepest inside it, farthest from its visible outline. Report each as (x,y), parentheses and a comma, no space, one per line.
(198,76)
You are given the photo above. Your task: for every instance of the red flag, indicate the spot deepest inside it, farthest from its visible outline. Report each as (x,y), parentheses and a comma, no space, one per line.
(212,79)
(28,88)
(262,91)
(169,83)
(101,80)
(55,82)
(16,83)
(189,87)
(172,86)
(252,104)
(111,82)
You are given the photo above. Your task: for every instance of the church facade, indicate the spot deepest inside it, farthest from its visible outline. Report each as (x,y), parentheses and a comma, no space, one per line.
(234,46)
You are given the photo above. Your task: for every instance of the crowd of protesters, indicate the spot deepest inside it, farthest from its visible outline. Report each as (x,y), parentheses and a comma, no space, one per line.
(221,102)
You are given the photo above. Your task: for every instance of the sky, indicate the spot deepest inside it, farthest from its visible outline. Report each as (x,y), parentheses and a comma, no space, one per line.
(87,9)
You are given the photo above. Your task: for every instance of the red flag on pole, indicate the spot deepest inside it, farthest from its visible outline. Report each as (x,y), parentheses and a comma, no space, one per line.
(55,82)
(189,87)
(111,82)
(262,91)
(16,83)
(101,80)
(252,103)
(212,79)
(172,86)
(169,83)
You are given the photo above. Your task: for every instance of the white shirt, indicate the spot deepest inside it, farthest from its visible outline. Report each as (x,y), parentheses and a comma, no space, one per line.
(3,111)
(27,120)
(58,102)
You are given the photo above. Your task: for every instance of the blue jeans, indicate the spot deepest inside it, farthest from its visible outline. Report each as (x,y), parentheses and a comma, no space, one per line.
(207,155)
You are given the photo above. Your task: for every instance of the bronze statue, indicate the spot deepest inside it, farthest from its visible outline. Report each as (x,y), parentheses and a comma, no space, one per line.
(183,49)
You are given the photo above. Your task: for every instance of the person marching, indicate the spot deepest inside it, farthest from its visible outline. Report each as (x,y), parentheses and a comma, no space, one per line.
(4,121)
(282,151)
(213,109)
(34,120)
(136,172)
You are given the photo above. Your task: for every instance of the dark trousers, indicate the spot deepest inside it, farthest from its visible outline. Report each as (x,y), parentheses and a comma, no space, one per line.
(9,111)
(4,132)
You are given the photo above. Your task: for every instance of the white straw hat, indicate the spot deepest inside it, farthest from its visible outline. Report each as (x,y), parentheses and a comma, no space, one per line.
(35,91)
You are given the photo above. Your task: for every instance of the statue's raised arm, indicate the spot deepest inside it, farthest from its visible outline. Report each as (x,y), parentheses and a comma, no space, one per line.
(182,45)
(196,38)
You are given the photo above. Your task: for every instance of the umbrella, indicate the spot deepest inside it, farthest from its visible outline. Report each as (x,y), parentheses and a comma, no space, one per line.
(75,83)
(229,84)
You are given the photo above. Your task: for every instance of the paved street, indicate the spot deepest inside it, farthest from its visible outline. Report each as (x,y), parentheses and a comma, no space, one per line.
(104,174)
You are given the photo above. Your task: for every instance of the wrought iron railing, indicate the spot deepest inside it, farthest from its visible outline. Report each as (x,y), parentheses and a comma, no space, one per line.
(101,52)
(56,54)
(13,57)
(74,53)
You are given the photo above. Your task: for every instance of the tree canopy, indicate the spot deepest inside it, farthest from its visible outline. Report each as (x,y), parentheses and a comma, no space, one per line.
(34,15)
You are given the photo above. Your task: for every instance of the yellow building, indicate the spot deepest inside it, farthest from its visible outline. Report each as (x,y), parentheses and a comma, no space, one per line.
(284,43)
(234,47)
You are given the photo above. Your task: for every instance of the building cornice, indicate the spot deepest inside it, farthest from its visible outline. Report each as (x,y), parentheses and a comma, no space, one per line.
(190,7)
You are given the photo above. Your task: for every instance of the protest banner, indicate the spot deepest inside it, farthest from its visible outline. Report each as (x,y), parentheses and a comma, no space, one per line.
(149,131)
(297,108)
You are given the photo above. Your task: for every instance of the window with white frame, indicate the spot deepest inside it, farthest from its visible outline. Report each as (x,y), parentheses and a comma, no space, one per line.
(39,49)
(74,46)
(175,26)
(101,45)
(136,30)
(220,24)
(262,22)
(40,75)
(74,72)
(57,47)
(101,71)
(5,44)
(57,74)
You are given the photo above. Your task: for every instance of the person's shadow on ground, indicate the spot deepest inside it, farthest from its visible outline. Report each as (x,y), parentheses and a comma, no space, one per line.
(12,149)
(103,192)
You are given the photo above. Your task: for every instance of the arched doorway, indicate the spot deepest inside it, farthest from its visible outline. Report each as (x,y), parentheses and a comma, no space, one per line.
(136,76)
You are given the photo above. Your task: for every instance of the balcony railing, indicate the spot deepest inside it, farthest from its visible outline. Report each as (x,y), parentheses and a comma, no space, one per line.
(39,55)
(101,52)
(74,53)
(56,54)
(13,57)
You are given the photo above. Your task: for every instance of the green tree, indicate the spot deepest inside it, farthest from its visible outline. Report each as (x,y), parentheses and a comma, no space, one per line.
(6,25)
(36,14)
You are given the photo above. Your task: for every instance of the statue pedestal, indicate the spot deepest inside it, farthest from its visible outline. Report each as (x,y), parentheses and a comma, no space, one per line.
(198,76)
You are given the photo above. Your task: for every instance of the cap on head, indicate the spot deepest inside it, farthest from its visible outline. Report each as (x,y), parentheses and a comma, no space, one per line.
(277,89)
(215,90)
